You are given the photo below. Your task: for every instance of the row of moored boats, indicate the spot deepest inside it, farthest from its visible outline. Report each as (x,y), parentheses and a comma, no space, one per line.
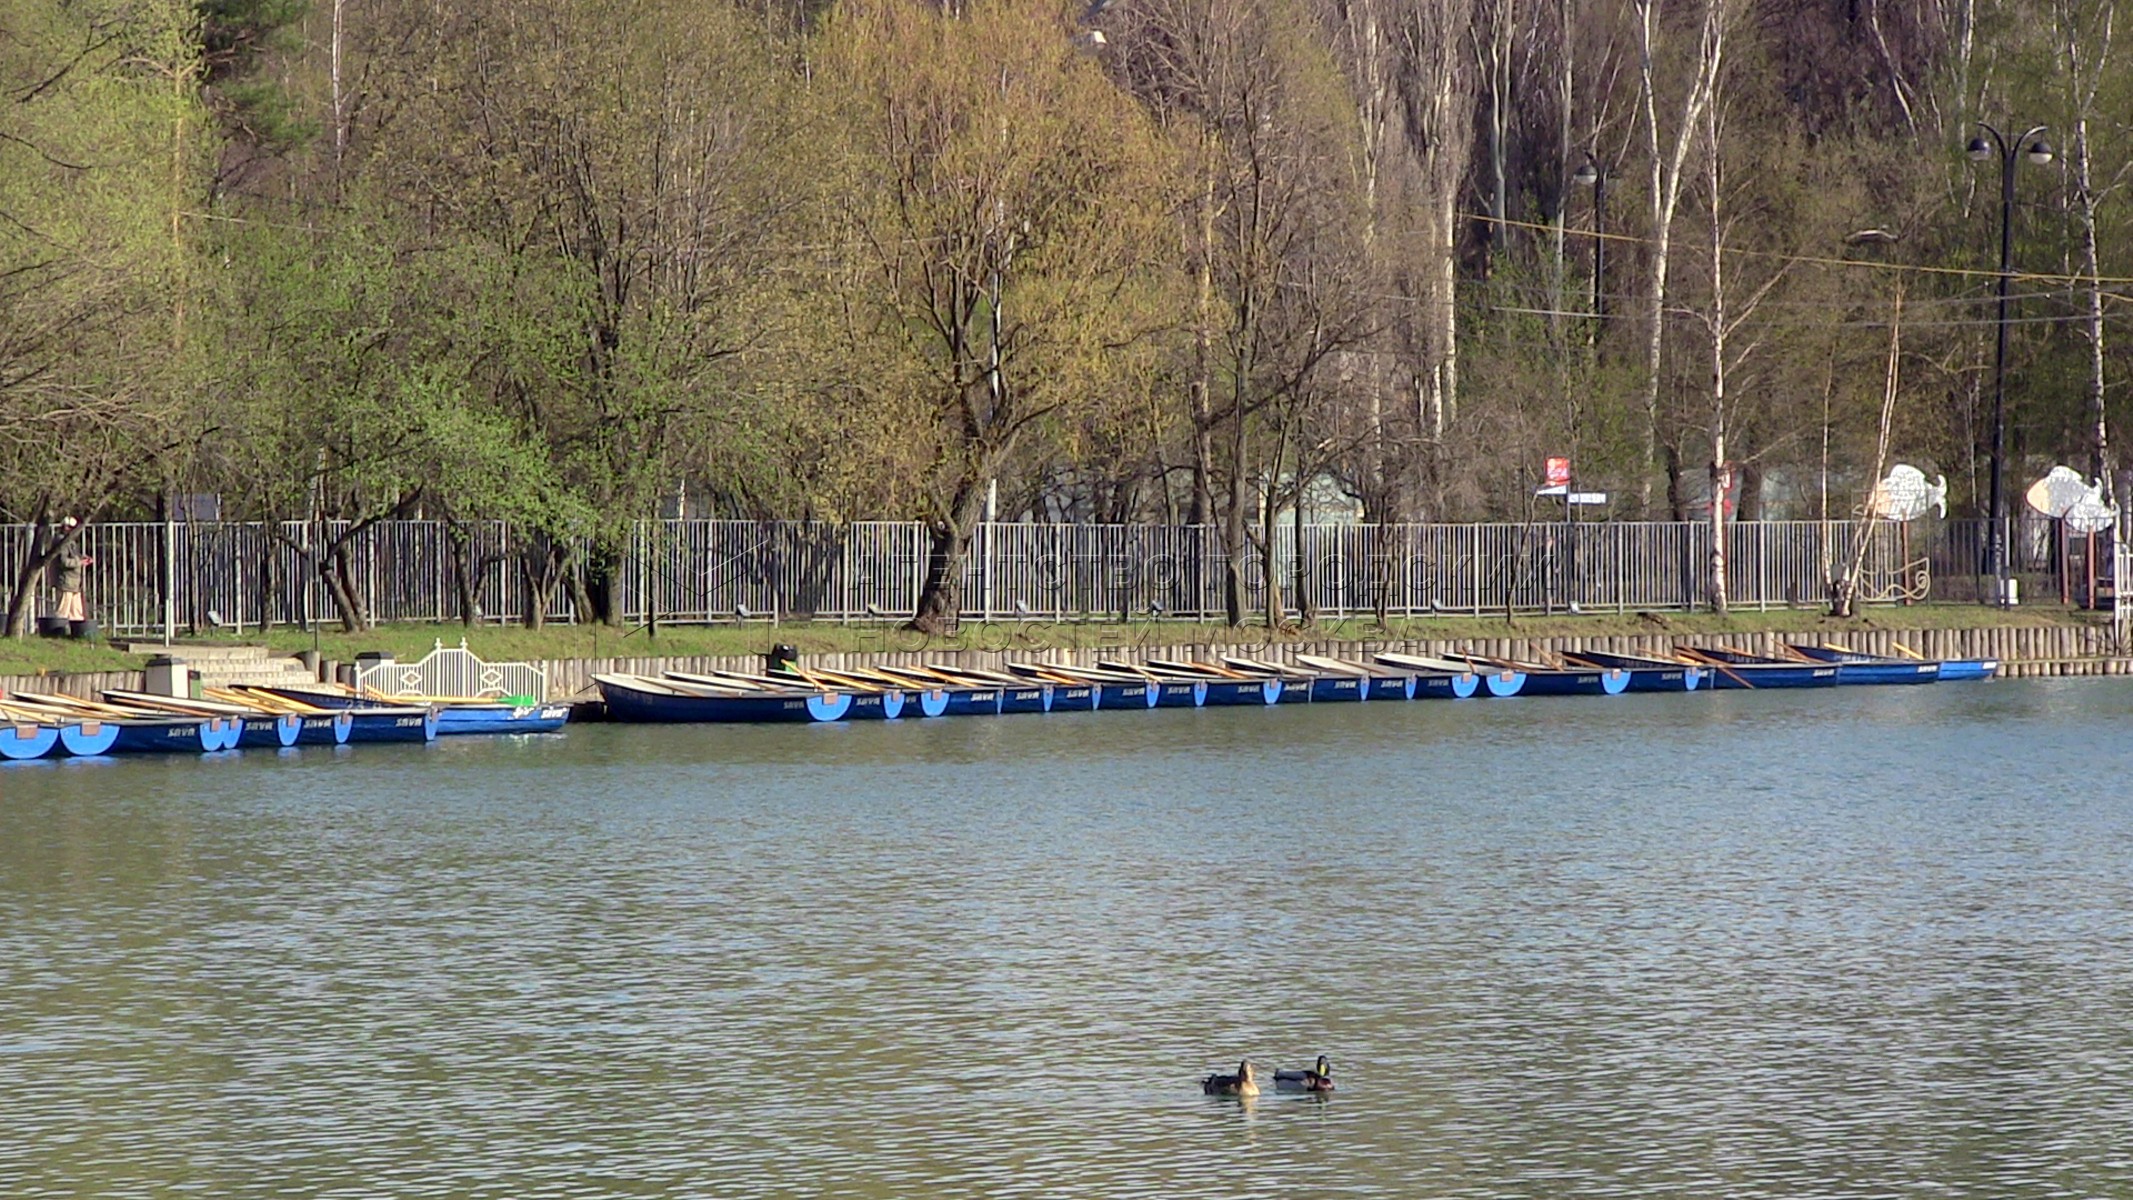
(50,725)
(792,693)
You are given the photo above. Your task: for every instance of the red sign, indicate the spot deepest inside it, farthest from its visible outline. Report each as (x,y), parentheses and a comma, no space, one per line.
(1558,472)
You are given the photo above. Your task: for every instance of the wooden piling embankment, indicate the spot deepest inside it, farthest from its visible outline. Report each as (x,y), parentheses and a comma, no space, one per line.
(2023,653)
(2029,652)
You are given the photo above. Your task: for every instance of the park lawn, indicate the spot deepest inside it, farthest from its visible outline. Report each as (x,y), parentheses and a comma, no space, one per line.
(505,643)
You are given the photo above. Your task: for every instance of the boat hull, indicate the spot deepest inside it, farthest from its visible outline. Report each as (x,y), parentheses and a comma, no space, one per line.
(461,719)
(1885,674)
(1075,697)
(1393,687)
(1180,694)
(392,725)
(1764,676)
(177,736)
(877,706)
(1129,695)
(1502,685)
(88,739)
(1854,668)
(958,702)
(1447,686)
(1245,693)
(1032,699)
(270,732)
(1338,687)
(324,729)
(637,705)
(20,743)
(1295,691)
(1609,681)
(1652,675)
(1957,670)
(1667,679)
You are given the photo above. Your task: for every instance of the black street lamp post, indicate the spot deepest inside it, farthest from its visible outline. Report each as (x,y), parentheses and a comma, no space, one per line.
(1590,174)
(2006,150)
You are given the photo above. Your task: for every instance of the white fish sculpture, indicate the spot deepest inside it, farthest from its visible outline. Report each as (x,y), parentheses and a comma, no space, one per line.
(2059,491)
(1905,495)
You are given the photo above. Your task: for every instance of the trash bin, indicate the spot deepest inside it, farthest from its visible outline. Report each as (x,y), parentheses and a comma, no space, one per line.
(167,676)
(781,660)
(52,627)
(85,630)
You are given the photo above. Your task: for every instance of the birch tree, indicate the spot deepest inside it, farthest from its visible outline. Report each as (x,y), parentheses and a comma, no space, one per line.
(1667,150)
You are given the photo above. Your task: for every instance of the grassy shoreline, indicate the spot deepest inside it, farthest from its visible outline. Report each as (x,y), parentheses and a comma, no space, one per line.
(32,656)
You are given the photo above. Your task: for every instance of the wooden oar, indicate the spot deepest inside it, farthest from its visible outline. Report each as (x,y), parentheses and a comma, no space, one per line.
(1703,660)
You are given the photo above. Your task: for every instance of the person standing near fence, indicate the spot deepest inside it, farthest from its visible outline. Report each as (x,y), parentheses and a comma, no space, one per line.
(66,575)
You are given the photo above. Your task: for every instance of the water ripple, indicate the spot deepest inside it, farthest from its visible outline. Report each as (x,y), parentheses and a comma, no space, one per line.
(1849,945)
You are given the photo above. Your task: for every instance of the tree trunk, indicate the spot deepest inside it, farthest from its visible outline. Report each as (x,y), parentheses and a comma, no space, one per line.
(339,570)
(1233,529)
(1666,164)
(462,577)
(541,565)
(940,599)
(20,602)
(1203,451)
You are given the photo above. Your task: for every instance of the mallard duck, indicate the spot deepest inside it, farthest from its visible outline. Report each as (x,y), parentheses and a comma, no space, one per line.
(1319,1078)
(1240,1084)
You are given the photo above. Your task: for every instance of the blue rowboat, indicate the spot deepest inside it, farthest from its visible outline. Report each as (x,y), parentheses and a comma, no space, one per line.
(1218,686)
(1498,681)
(1954,670)
(1436,678)
(144,730)
(1647,674)
(454,717)
(1169,692)
(1732,670)
(1297,687)
(21,741)
(1854,667)
(245,725)
(1374,685)
(1551,681)
(464,717)
(1016,693)
(1109,689)
(1065,693)
(867,699)
(637,699)
(174,735)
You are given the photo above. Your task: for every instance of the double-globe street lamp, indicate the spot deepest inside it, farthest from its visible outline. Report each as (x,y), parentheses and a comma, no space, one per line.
(2034,148)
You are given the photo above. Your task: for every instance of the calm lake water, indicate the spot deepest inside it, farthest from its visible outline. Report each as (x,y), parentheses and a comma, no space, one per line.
(1873,942)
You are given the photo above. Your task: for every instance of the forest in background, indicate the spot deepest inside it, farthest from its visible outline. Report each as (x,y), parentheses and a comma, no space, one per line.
(575,265)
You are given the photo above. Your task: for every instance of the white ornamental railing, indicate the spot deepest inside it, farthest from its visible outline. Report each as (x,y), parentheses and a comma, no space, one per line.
(453,671)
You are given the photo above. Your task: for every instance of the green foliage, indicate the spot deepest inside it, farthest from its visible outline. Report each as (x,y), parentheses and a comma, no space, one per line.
(564,263)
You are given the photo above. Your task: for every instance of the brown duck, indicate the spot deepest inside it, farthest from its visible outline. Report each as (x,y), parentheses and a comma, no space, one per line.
(1240,1084)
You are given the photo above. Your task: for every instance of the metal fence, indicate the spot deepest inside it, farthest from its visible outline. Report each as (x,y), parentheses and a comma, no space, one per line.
(237,576)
